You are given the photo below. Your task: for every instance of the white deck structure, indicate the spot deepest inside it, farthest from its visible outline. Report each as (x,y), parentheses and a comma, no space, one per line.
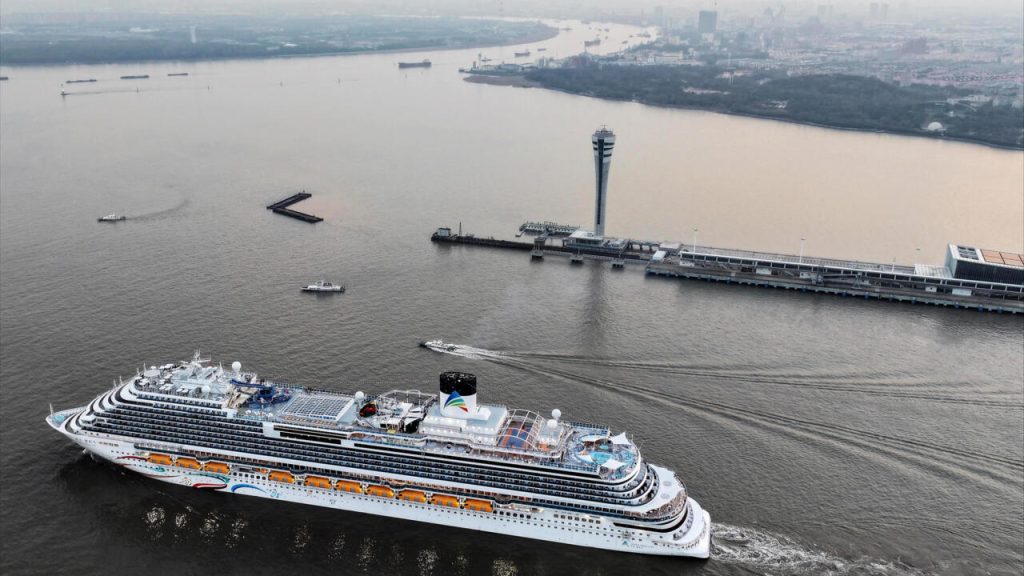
(441,459)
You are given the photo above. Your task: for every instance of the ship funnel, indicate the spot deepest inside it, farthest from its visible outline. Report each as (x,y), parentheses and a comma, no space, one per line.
(458,395)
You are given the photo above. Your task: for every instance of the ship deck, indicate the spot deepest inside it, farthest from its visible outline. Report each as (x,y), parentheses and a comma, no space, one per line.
(498,433)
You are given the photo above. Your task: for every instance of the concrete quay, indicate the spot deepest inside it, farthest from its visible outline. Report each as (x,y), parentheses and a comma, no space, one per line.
(919,284)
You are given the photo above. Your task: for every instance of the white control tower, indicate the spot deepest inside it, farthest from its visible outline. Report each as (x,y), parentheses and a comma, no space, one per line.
(604,142)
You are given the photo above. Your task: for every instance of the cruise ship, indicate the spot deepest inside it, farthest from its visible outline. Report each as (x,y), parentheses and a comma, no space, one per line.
(439,458)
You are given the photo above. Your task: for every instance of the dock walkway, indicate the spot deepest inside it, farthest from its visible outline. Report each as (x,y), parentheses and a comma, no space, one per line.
(874,281)
(282,207)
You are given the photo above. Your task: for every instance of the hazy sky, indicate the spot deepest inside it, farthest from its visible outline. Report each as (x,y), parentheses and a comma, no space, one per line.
(566,8)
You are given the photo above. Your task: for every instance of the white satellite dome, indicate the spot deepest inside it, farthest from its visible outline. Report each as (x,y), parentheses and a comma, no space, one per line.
(935,127)
(360,396)
(556,413)
(552,424)
(205,389)
(236,366)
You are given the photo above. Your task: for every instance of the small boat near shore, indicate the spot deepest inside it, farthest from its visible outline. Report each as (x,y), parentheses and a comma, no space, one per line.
(323,286)
(112,217)
(421,64)
(522,54)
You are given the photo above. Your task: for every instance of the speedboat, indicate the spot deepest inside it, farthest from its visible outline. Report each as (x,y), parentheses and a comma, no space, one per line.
(112,217)
(323,286)
(438,346)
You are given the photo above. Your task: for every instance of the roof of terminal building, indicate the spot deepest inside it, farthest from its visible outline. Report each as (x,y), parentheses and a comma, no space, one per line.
(932,271)
(996,257)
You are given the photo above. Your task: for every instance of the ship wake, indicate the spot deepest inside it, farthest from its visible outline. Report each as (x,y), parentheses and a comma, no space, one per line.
(971,463)
(777,554)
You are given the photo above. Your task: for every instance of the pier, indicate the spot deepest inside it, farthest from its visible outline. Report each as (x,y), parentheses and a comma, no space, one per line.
(977,279)
(282,207)
(918,284)
(445,236)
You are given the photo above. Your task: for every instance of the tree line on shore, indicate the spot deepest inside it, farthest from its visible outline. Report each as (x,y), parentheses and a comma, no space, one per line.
(837,100)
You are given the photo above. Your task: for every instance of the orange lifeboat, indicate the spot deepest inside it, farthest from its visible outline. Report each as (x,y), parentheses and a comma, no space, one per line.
(478,505)
(281,476)
(444,500)
(163,459)
(382,491)
(412,496)
(348,486)
(218,467)
(186,462)
(318,482)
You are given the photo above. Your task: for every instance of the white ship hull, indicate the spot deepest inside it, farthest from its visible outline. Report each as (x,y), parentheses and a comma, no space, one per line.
(691,539)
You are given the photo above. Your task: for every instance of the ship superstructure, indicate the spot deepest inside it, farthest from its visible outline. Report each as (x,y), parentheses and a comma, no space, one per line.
(442,458)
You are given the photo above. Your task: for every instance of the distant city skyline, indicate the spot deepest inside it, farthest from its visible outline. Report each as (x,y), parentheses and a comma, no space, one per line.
(519,8)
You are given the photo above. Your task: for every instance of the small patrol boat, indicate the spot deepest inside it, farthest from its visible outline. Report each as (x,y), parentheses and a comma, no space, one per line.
(323,286)
(438,346)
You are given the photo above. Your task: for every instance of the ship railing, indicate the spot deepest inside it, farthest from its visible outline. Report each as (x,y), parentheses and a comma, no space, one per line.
(569,466)
(62,415)
(311,457)
(596,428)
(161,420)
(404,440)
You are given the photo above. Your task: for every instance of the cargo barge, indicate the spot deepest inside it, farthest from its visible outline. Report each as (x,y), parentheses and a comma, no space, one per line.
(420,64)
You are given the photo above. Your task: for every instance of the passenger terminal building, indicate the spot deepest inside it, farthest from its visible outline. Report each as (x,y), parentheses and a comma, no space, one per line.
(967,263)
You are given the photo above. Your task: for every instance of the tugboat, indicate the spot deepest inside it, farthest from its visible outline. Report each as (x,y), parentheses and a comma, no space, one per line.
(112,217)
(323,286)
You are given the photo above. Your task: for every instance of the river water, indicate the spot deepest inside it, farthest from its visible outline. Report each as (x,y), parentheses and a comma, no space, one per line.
(824,435)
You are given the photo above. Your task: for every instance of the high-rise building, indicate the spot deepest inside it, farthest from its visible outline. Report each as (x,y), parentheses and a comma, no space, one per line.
(604,141)
(707,22)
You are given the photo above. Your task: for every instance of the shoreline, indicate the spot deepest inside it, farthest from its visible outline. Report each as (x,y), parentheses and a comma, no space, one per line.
(551,33)
(519,81)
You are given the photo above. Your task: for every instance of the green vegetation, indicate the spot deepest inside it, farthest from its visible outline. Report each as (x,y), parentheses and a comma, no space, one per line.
(36,39)
(835,100)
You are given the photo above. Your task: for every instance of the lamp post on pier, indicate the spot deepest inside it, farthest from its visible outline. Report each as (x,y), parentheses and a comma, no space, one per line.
(695,240)
(801,261)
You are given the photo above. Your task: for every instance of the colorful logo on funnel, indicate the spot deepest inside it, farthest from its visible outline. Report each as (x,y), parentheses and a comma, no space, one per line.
(456,401)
